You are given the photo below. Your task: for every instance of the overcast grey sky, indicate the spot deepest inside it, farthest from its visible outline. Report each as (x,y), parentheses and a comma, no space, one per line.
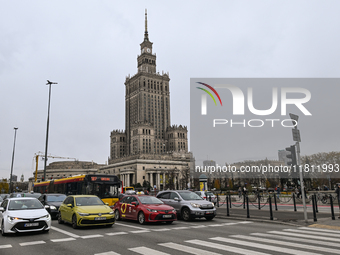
(88,47)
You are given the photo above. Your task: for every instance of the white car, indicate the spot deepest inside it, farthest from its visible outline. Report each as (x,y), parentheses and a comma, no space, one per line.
(206,196)
(23,214)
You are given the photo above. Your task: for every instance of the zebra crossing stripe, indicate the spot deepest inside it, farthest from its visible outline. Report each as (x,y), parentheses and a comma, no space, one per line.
(107,253)
(310,232)
(320,230)
(32,243)
(116,233)
(188,249)
(262,246)
(147,251)
(225,247)
(306,236)
(296,245)
(5,246)
(295,239)
(63,240)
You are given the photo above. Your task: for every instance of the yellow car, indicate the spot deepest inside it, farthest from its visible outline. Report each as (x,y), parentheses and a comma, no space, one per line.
(85,210)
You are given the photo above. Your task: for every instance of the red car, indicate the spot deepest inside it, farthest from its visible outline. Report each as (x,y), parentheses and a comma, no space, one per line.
(144,208)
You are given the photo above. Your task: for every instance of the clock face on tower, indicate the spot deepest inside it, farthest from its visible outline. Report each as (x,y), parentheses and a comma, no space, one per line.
(148,50)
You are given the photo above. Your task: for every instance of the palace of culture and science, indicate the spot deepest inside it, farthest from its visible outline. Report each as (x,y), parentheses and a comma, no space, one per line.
(150,148)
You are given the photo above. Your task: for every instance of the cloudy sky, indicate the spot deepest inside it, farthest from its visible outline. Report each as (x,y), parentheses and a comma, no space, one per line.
(89,47)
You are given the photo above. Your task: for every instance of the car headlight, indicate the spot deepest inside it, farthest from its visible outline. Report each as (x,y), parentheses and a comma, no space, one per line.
(112,212)
(195,205)
(83,214)
(53,207)
(173,210)
(151,210)
(10,219)
(45,216)
(213,204)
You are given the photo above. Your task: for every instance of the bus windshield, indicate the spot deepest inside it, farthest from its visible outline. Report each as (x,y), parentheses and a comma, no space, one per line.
(102,190)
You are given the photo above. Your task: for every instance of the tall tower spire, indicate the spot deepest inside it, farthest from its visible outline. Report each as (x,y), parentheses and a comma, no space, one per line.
(146,36)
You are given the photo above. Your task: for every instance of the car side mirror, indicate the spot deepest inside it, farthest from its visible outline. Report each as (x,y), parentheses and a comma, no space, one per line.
(2,209)
(134,203)
(69,205)
(177,199)
(107,204)
(47,207)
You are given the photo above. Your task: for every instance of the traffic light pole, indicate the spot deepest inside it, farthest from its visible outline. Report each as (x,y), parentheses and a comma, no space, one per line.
(301,182)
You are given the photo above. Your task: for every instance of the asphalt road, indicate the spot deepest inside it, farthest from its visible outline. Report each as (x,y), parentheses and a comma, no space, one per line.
(220,236)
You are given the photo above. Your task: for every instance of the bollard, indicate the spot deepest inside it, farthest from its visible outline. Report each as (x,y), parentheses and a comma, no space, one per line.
(229,200)
(227,203)
(314,212)
(316,203)
(209,198)
(294,202)
(332,209)
(259,198)
(247,199)
(218,201)
(270,207)
(244,201)
(275,202)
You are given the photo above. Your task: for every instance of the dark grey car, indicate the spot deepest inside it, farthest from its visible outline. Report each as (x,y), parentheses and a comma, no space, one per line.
(188,204)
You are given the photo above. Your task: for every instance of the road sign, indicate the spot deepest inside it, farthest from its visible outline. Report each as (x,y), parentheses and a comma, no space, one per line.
(296,135)
(295,118)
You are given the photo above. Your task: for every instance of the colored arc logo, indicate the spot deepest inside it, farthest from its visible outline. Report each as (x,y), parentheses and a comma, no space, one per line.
(121,209)
(213,90)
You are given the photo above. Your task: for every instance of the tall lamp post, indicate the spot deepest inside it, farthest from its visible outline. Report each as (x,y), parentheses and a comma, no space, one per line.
(11,181)
(48,123)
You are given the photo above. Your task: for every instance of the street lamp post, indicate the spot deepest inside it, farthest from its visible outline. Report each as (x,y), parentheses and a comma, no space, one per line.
(48,123)
(11,181)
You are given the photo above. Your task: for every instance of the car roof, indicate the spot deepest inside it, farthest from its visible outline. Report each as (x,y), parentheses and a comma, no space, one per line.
(82,196)
(53,194)
(21,198)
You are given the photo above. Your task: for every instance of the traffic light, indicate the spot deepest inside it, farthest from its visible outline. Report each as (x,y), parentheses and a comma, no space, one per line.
(291,155)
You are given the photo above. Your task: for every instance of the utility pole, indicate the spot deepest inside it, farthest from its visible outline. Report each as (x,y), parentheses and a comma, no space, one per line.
(11,181)
(48,123)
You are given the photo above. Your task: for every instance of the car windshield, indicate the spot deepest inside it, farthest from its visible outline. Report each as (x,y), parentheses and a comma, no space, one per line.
(149,200)
(189,196)
(55,198)
(27,204)
(86,201)
(36,195)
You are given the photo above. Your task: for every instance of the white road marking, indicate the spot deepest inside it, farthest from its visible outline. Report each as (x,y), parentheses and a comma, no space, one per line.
(124,225)
(108,253)
(320,229)
(140,231)
(5,246)
(310,232)
(296,245)
(187,249)
(147,251)
(305,236)
(201,226)
(63,239)
(65,232)
(116,233)
(161,229)
(262,246)
(225,247)
(181,228)
(32,243)
(91,236)
(294,239)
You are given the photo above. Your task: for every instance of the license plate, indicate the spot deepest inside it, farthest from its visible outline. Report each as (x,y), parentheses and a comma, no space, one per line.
(208,212)
(100,218)
(31,224)
(167,216)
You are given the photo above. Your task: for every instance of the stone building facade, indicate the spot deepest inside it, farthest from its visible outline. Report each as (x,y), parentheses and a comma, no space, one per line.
(149,148)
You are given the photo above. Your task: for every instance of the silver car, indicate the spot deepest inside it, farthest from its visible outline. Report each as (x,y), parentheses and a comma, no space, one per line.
(188,204)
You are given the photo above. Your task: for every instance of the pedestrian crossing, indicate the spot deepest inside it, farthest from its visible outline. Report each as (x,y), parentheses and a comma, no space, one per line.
(297,241)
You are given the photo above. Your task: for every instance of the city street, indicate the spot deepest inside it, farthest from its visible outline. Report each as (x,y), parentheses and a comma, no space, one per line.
(219,236)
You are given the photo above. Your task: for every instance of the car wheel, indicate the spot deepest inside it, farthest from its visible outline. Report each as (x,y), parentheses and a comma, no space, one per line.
(209,217)
(117,215)
(169,222)
(186,214)
(74,222)
(141,218)
(3,229)
(60,221)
